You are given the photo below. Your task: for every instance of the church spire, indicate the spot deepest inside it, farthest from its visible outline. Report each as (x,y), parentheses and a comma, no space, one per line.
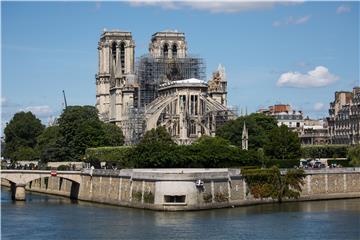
(245,138)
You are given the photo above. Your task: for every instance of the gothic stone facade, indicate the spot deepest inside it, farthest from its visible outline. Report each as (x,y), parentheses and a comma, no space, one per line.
(188,107)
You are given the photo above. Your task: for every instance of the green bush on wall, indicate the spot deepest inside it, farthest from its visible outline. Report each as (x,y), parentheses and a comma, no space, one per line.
(286,163)
(148,197)
(343,163)
(116,156)
(63,168)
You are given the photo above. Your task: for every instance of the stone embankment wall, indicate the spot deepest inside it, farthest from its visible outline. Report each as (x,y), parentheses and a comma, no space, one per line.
(175,189)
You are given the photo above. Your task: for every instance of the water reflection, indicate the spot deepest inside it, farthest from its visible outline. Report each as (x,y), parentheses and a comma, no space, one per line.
(51,217)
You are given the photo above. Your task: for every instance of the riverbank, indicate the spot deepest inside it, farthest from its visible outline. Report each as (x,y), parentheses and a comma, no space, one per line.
(176,190)
(59,218)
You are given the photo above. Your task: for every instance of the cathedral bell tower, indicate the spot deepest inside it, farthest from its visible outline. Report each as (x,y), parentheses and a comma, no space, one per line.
(218,86)
(115,81)
(168,44)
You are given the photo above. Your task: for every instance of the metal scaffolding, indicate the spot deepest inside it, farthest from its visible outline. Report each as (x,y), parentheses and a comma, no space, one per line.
(134,125)
(151,72)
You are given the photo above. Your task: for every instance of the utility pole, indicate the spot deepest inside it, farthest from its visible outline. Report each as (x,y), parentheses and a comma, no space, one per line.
(65,99)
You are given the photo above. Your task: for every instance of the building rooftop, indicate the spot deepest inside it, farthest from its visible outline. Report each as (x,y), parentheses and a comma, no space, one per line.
(168,33)
(191,80)
(186,82)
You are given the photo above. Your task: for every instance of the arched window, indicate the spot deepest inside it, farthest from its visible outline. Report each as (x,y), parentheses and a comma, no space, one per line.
(113,51)
(122,57)
(166,50)
(174,51)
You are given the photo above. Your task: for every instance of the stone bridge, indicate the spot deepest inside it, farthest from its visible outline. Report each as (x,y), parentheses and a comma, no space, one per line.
(19,178)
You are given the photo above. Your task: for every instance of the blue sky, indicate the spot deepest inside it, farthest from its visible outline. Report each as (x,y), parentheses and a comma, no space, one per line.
(299,53)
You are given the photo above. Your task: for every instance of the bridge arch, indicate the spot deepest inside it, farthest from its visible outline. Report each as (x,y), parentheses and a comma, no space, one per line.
(20,178)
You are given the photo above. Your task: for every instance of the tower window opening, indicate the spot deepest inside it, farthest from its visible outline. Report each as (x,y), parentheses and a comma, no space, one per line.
(174,51)
(113,51)
(166,50)
(122,57)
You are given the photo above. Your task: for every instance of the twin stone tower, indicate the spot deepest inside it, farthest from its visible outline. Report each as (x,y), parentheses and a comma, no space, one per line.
(166,87)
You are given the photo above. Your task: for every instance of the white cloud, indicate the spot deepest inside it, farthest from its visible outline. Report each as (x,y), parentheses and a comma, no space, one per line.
(168,5)
(301,20)
(292,21)
(319,106)
(7,103)
(229,6)
(225,6)
(276,24)
(97,5)
(319,77)
(303,64)
(3,101)
(343,9)
(41,111)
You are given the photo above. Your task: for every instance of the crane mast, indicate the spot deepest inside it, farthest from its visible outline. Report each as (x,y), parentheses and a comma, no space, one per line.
(65,99)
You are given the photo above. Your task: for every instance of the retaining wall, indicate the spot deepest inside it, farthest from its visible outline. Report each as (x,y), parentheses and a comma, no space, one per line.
(175,189)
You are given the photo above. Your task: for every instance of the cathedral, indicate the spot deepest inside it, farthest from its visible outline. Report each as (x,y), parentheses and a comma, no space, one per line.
(166,87)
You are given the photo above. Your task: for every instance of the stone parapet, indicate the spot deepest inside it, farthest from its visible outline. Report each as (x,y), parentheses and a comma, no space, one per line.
(177,189)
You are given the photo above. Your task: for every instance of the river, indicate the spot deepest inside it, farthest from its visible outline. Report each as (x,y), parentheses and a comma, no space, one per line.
(52,217)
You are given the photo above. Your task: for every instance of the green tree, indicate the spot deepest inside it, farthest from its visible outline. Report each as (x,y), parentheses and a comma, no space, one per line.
(25,153)
(159,135)
(156,149)
(119,156)
(261,156)
(113,135)
(20,136)
(265,183)
(212,152)
(324,151)
(282,144)
(51,146)
(258,125)
(354,155)
(81,128)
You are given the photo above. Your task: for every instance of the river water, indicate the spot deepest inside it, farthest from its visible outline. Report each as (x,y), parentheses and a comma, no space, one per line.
(51,218)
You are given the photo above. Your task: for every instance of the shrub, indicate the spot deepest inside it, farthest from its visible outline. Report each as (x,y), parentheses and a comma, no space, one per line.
(220,197)
(148,197)
(63,168)
(264,183)
(343,163)
(354,155)
(117,156)
(207,197)
(287,163)
(137,196)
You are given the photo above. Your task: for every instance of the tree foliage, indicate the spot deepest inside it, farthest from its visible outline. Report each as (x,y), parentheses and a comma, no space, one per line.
(119,157)
(354,155)
(20,136)
(25,153)
(265,183)
(218,152)
(156,149)
(51,145)
(283,144)
(78,128)
(113,136)
(258,126)
(81,128)
(159,135)
(265,137)
(324,151)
